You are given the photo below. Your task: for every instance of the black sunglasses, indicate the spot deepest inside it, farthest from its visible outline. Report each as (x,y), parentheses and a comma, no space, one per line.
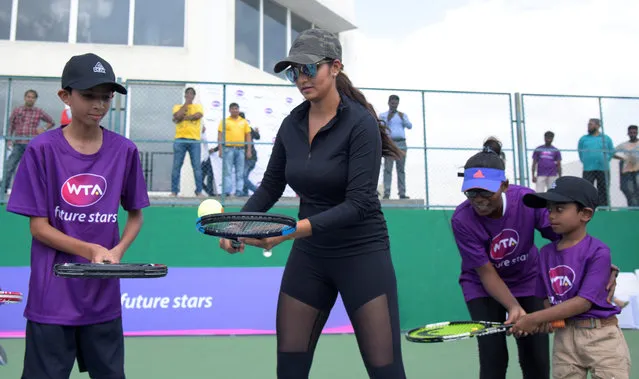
(481,193)
(310,70)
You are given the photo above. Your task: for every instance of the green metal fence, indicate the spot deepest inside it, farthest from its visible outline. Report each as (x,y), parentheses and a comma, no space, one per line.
(447,128)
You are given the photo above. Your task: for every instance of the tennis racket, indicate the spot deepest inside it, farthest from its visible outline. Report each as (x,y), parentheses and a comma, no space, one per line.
(236,225)
(459,330)
(8,297)
(110,270)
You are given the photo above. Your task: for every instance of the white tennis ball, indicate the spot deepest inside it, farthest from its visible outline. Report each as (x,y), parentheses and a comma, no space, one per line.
(209,206)
(267,253)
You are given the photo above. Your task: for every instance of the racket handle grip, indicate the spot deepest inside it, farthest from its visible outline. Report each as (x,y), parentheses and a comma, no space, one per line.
(558,324)
(236,244)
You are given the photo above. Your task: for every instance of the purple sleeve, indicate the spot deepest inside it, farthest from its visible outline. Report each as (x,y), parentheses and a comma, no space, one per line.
(134,193)
(596,276)
(535,155)
(471,248)
(557,155)
(542,223)
(29,192)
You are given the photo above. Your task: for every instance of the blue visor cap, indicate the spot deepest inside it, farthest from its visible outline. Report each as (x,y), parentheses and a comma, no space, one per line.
(488,179)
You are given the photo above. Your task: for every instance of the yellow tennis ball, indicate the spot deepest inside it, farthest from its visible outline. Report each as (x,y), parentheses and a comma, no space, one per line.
(209,206)
(474,329)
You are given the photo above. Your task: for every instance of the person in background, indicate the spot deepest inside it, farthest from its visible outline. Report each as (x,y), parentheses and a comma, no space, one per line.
(65,116)
(397,123)
(595,152)
(249,163)
(188,130)
(628,154)
(208,176)
(232,148)
(24,122)
(546,167)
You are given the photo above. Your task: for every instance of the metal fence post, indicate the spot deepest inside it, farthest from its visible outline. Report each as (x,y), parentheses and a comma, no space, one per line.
(425,153)
(7,138)
(521,148)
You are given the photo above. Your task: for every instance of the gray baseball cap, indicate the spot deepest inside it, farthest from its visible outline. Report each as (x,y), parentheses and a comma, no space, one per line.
(311,46)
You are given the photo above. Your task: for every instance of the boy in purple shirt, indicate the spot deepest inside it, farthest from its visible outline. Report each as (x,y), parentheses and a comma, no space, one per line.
(70,183)
(573,275)
(494,233)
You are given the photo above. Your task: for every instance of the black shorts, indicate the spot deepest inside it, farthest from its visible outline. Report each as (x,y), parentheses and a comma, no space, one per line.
(316,280)
(51,350)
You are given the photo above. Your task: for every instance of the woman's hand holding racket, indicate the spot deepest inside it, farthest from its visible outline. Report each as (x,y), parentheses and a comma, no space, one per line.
(264,243)
(231,246)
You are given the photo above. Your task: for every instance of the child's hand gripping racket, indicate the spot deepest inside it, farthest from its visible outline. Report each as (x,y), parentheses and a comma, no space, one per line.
(459,330)
(213,221)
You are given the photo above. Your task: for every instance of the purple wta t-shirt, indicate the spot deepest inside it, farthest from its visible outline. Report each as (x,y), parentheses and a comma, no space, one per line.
(546,156)
(506,242)
(80,195)
(581,270)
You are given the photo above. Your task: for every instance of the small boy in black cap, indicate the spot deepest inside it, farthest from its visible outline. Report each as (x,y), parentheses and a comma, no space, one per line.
(573,277)
(70,184)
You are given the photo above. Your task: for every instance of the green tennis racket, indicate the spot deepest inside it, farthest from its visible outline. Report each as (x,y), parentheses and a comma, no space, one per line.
(459,330)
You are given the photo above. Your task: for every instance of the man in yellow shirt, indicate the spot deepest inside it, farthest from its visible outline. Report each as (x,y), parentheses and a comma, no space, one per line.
(233,150)
(188,129)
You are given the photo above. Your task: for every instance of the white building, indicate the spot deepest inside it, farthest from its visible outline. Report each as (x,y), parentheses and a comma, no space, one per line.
(180,41)
(185,40)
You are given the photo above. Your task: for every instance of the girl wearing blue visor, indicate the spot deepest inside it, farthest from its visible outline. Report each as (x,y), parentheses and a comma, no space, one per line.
(495,232)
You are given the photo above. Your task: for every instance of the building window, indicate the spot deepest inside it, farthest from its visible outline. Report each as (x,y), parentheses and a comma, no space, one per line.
(262,32)
(274,35)
(298,25)
(159,23)
(43,20)
(247,31)
(103,21)
(5,18)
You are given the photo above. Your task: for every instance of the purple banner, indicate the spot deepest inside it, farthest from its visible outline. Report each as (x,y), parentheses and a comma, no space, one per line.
(188,301)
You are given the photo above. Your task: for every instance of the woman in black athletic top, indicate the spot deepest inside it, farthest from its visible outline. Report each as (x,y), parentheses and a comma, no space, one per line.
(329,150)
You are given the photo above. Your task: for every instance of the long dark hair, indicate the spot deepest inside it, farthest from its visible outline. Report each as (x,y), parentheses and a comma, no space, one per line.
(345,86)
(489,157)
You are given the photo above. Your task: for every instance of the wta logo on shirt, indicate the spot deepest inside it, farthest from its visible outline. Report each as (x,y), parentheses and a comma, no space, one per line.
(83,190)
(504,244)
(561,279)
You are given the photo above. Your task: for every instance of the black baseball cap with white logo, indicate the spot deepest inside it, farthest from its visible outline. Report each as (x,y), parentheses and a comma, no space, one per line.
(566,189)
(87,71)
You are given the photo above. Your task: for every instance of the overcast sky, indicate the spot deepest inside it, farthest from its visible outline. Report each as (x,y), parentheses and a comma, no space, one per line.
(570,46)
(583,47)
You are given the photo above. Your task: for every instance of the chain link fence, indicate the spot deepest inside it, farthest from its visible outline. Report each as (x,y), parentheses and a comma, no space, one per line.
(446,128)
(567,116)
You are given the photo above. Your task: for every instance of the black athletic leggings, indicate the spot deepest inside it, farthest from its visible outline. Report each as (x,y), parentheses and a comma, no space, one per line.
(534,352)
(368,287)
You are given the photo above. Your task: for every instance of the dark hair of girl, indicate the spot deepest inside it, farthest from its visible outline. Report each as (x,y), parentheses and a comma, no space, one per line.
(489,157)
(344,86)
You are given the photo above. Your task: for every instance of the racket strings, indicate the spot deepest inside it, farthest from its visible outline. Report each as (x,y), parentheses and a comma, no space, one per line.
(240,228)
(451,329)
